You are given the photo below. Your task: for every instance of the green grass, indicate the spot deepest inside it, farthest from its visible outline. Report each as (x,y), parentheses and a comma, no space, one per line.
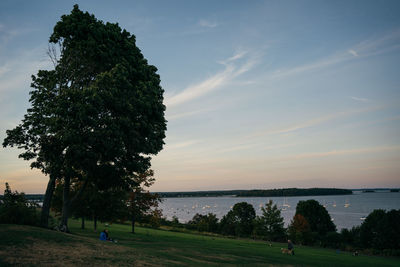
(150,247)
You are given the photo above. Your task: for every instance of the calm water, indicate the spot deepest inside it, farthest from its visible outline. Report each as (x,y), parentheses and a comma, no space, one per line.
(346,210)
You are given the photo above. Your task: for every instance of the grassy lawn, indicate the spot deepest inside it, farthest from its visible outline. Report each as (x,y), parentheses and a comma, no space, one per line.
(25,245)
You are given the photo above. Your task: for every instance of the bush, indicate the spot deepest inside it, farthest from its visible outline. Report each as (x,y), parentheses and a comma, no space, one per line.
(203,223)
(16,209)
(239,220)
(381,230)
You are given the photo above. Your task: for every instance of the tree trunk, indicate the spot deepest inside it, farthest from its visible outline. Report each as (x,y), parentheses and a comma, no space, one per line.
(44,219)
(83,222)
(133,223)
(66,206)
(95,222)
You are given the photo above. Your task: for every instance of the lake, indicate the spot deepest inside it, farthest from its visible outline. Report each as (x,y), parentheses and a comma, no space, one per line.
(345,210)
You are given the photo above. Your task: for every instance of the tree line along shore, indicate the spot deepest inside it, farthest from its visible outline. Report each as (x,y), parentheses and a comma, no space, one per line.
(283,192)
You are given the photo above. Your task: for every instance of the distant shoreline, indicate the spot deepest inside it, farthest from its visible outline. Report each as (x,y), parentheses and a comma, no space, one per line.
(283,192)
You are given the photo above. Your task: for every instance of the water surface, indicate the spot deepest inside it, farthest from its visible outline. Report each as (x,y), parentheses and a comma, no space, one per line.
(345,210)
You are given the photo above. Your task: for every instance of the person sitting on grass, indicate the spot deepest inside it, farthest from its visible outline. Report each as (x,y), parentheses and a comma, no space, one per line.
(104,236)
(290,247)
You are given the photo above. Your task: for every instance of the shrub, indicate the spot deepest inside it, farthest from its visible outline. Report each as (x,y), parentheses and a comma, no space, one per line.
(16,209)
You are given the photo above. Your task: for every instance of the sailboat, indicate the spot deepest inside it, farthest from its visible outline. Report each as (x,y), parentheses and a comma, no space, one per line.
(334,204)
(347,204)
(285,204)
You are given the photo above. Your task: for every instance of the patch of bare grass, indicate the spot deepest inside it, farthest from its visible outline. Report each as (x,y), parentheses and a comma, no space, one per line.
(44,253)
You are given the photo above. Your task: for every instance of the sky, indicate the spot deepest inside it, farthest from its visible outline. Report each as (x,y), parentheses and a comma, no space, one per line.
(259,94)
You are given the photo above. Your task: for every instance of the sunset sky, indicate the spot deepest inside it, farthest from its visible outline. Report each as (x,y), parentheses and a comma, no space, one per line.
(259,94)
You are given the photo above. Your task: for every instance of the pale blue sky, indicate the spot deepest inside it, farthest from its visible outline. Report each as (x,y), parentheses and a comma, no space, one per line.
(259,94)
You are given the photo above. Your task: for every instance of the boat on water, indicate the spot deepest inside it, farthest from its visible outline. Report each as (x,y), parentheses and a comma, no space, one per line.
(347,203)
(334,204)
(285,203)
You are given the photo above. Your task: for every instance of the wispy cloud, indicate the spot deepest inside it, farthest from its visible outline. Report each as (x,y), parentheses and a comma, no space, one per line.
(180,115)
(384,44)
(17,72)
(181,144)
(315,121)
(345,152)
(353,52)
(207,23)
(379,45)
(359,99)
(214,82)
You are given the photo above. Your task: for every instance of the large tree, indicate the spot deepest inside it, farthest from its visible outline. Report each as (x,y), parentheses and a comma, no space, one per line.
(381,230)
(97,116)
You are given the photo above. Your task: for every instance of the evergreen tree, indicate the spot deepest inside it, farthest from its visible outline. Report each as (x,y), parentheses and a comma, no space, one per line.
(270,224)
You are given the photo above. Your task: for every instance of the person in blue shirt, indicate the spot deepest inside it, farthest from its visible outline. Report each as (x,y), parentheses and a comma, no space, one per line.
(104,235)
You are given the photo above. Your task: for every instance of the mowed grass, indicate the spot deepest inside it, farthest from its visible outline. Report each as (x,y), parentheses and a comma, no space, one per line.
(31,246)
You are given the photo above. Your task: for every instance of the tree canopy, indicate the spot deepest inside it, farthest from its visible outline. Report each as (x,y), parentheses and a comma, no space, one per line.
(98,115)
(316,215)
(239,220)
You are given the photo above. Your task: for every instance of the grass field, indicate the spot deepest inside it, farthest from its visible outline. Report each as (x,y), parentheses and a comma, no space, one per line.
(32,246)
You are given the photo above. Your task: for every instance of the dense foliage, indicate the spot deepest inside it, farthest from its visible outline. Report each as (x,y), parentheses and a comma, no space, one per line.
(239,220)
(381,230)
(97,116)
(15,208)
(317,216)
(270,224)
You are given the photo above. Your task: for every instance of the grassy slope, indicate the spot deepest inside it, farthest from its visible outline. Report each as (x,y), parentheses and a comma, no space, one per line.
(34,246)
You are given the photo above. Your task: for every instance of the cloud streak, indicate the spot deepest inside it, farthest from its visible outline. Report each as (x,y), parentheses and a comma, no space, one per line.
(359,99)
(367,48)
(207,23)
(345,152)
(315,121)
(214,82)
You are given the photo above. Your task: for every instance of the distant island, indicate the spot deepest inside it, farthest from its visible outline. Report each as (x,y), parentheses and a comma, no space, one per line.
(368,191)
(284,192)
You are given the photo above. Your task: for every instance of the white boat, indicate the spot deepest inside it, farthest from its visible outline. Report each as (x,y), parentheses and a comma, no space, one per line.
(285,204)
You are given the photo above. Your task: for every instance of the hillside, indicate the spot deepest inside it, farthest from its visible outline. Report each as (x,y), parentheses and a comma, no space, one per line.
(26,245)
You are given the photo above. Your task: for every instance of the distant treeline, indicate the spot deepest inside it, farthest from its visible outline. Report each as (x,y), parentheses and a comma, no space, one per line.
(284,192)
(291,192)
(35,197)
(201,193)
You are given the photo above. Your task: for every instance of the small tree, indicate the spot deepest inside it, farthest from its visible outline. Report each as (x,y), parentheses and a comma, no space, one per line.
(204,223)
(141,201)
(16,209)
(299,230)
(270,224)
(239,220)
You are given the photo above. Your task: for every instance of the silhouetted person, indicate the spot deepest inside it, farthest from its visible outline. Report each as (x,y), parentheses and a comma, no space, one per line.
(290,247)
